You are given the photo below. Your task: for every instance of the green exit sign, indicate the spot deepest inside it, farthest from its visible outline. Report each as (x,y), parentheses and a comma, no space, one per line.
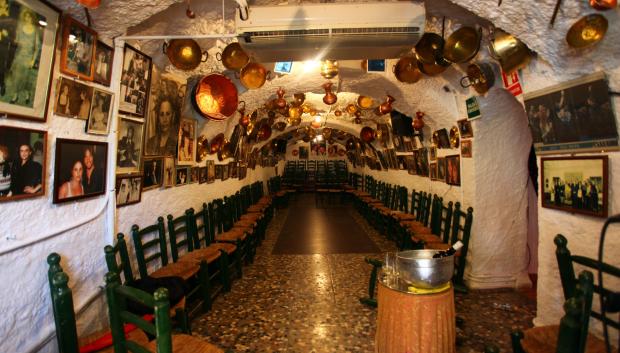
(473,109)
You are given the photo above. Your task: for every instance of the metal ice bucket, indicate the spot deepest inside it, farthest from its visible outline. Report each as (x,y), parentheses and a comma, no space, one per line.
(420,269)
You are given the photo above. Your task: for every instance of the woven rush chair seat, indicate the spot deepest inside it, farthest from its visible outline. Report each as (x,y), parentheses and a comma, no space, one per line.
(417,227)
(427,238)
(281,193)
(136,335)
(185,270)
(250,219)
(231,235)
(256,209)
(265,199)
(249,229)
(209,255)
(543,339)
(187,344)
(229,248)
(402,216)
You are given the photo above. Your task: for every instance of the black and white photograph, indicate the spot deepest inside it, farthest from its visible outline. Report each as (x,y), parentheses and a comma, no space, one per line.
(232,170)
(225,170)
(219,171)
(128,190)
(441,169)
(73,99)
(433,170)
(575,184)
(243,171)
(163,118)
(169,172)
(421,161)
(465,128)
(129,152)
(99,118)
(78,49)
(572,116)
(26,54)
(153,173)
(194,175)
(210,171)
(80,169)
(135,82)
(22,162)
(202,175)
(104,56)
(182,176)
(186,152)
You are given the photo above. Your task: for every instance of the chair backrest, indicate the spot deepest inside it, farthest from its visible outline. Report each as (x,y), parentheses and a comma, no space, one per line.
(461,230)
(117,296)
(203,232)
(573,332)
(117,258)
(150,245)
(445,221)
(62,306)
(179,232)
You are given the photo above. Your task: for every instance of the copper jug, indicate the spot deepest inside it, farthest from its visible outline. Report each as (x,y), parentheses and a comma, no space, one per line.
(418,121)
(385,107)
(330,97)
(280,101)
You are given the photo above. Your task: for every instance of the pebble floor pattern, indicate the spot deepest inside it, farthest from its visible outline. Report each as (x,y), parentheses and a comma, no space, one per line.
(309,303)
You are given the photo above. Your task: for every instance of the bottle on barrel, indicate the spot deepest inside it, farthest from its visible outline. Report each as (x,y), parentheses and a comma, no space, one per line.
(449,252)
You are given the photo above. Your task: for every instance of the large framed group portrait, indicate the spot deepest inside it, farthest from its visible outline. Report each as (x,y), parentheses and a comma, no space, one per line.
(129,148)
(572,116)
(78,49)
(164,116)
(22,162)
(29,29)
(135,82)
(575,184)
(80,169)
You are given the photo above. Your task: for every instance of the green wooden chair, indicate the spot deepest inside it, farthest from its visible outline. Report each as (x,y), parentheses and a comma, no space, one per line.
(117,260)
(165,341)
(371,299)
(571,336)
(64,314)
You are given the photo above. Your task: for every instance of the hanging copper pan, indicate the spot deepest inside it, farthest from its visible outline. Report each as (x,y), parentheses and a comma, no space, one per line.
(216,97)
(254,75)
(511,53)
(587,31)
(406,70)
(233,57)
(91,4)
(462,45)
(603,5)
(216,143)
(184,54)
(429,48)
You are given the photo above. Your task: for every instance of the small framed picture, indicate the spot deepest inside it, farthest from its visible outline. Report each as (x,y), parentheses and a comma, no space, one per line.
(441,169)
(466,148)
(432,153)
(22,162)
(128,190)
(182,176)
(465,128)
(402,163)
(99,118)
(575,184)
(186,149)
(232,170)
(194,175)
(104,55)
(78,49)
(80,170)
(219,171)
(410,160)
(433,170)
(202,175)
(135,82)
(225,171)
(169,172)
(243,171)
(153,169)
(210,171)
(129,152)
(453,169)
(73,99)
(421,162)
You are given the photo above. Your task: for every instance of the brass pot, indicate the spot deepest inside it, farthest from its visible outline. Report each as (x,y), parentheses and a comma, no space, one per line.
(216,97)
(184,54)
(511,53)
(431,69)
(462,45)
(329,69)
(253,75)
(480,76)
(587,31)
(233,57)
(406,70)
(365,102)
(429,48)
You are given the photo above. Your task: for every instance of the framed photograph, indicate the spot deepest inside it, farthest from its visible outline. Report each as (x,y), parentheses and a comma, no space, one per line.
(135,82)
(129,152)
(393,161)
(432,153)
(210,172)
(402,164)
(573,116)
(465,128)
(162,123)
(441,169)
(99,118)
(153,173)
(78,49)
(194,175)
(410,160)
(453,169)
(27,61)
(225,170)
(232,170)
(186,154)
(104,56)
(22,162)
(128,190)
(466,148)
(169,172)
(73,99)
(421,162)
(182,174)
(202,175)
(575,184)
(80,170)
(382,159)
(243,171)
(441,139)
(433,170)
(397,140)
(219,171)
(303,152)
(408,143)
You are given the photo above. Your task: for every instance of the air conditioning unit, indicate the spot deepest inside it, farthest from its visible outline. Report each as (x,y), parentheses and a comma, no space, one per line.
(337,31)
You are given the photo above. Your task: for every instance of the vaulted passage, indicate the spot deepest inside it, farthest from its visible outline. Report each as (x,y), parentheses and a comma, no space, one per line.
(321,224)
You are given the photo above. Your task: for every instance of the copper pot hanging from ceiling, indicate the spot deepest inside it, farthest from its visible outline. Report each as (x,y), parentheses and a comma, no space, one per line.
(91,4)
(329,69)
(184,54)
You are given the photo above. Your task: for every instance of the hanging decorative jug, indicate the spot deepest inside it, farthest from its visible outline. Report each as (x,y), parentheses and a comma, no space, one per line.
(299,98)
(418,121)
(330,97)
(385,107)
(280,101)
